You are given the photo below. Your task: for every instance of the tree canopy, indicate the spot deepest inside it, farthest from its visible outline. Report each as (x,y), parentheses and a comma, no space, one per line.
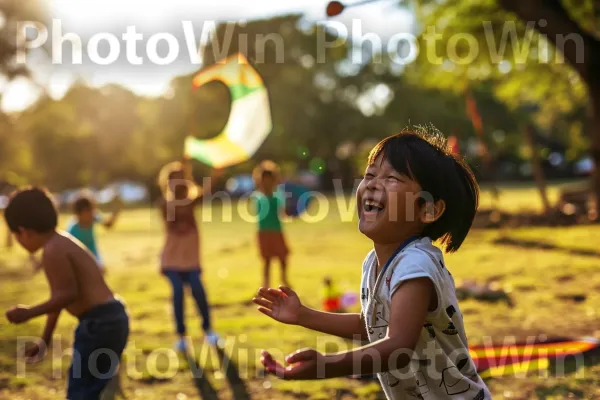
(323,117)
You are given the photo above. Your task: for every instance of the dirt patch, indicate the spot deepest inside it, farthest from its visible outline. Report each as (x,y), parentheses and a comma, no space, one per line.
(565,278)
(539,245)
(575,298)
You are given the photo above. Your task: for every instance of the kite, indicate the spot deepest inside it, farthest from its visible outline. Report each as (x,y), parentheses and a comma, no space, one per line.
(494,361)
(249,121)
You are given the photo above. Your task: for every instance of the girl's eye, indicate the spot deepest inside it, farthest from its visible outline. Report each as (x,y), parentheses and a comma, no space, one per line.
(393,178)
(369,175)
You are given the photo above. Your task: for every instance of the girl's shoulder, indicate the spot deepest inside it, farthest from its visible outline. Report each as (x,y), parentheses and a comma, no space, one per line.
(370,258)
(423,251)
(421,258)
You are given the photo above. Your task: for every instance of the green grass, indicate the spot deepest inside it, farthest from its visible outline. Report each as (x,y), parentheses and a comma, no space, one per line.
(332,246)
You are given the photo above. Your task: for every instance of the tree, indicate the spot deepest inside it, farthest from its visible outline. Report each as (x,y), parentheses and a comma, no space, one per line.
(93,136)
(11,13)
(14,160)
(586,60)
(534,74)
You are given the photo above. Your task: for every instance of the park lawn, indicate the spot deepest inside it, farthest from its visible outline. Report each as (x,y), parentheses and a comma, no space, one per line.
(330,246)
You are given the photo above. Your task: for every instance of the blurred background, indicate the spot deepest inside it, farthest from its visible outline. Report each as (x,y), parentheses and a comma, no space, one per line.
(514,85)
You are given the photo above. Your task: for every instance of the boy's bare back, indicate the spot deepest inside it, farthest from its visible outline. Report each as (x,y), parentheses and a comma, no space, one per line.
(68,266)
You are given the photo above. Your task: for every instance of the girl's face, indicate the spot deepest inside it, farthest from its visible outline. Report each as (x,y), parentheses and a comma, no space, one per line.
(387,204)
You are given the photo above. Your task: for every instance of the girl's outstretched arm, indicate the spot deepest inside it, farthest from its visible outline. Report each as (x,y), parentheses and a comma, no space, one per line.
(390,353)
(283,305)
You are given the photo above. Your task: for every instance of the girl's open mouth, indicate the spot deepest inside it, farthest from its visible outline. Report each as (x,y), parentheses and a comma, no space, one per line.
(372,206)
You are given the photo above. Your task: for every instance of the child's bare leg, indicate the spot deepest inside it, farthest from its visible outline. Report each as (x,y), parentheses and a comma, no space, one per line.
(283,263)
(266,272)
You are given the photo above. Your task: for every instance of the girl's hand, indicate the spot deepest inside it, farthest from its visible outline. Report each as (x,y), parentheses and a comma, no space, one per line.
(304,365)
(282,305)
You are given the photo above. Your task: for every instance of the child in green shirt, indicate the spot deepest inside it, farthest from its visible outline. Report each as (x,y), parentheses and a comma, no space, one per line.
(271,241)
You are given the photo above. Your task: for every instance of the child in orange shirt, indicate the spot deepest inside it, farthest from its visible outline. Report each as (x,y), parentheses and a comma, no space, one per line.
(180,257)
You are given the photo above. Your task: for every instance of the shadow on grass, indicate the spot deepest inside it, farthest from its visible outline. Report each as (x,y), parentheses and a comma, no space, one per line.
(534,244)
(205,389)
(571,364)
(230,370)
(237,385)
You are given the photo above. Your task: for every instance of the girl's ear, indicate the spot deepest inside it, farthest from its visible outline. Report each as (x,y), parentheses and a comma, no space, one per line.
(431,212)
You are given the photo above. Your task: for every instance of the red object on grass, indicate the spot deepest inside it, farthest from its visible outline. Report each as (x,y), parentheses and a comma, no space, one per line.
(334,8)
(331,304)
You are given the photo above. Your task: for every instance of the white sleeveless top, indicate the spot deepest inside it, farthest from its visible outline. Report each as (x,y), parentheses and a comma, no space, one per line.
(440,367)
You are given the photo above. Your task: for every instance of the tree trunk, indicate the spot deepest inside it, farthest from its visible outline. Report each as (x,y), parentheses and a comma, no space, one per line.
(538,172)
(586,61)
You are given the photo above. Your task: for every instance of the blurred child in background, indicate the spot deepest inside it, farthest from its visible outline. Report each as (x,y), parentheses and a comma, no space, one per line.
(180,257)
(269,205)
(82,226)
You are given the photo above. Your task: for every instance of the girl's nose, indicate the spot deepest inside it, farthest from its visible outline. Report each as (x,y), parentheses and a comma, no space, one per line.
(373,184)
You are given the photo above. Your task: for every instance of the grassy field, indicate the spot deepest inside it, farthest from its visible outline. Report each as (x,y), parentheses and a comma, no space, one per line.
(536,279)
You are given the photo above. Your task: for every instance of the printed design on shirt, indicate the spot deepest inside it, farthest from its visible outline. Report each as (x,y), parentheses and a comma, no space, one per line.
(454,382)
(450,311)
(378,325)
(414,392)
(466,368)
(421,387)
(451,329)
(444,267)
(388,281)
(392,380)
(461,363)
(364,294)
(430,329)
(480,395)
(421,383)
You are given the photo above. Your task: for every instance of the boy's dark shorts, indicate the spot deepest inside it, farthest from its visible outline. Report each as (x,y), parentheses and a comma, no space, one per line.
(100,339)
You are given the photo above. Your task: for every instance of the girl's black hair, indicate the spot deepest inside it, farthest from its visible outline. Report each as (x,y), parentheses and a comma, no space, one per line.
(423,155)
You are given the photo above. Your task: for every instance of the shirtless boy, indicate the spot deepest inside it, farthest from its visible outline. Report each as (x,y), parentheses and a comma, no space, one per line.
(77,285)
